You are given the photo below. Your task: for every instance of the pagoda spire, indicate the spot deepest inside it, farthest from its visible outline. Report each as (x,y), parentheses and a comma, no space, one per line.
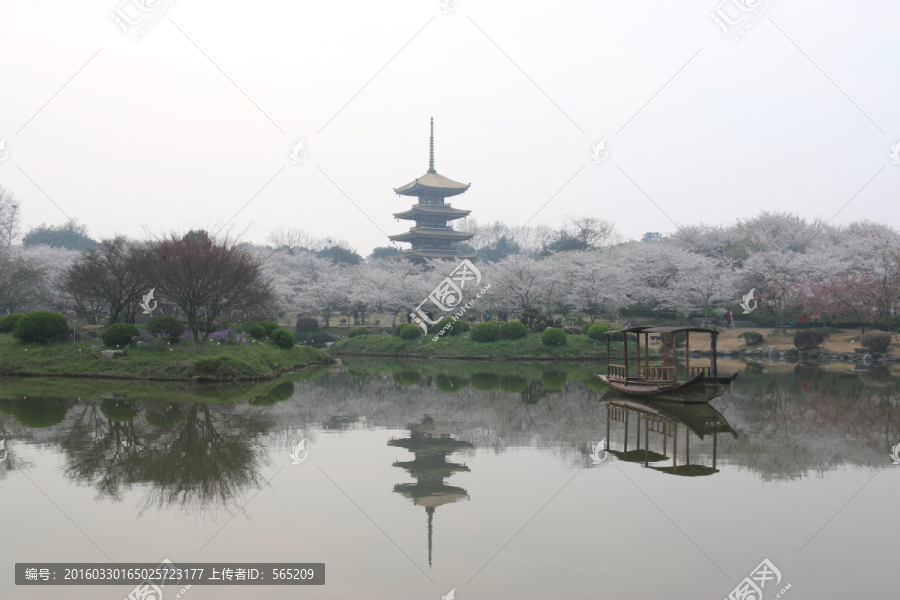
(431,154)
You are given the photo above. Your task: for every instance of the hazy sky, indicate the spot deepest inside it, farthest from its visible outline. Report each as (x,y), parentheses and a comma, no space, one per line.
(196,118)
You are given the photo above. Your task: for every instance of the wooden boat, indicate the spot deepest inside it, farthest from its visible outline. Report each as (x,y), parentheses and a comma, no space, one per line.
(661,381)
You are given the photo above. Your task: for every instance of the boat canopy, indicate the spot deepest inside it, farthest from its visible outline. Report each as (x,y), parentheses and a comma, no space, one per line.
(649,329)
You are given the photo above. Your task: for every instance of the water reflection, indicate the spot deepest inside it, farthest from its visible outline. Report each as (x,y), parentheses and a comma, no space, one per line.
(662,420)
(429,468)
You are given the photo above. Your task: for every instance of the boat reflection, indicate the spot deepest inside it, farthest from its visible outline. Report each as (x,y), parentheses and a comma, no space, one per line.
(430,467)
(663,420)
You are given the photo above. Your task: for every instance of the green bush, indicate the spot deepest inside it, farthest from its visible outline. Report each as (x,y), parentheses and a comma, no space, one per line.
(307,324)
(513,330)
(119,334)
(42,326)
(751,338)
(168,326)
(8,322)
(455,328)
(282,338)
(876,341)
(596,331)
(357,331)
(222,365)
(256,331)
(398,328)
(486,332)
(808,340)
(268,326)
(410,332)
(554,336)
(316,339)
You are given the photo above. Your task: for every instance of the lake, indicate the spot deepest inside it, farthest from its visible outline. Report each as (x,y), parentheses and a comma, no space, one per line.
(491,480)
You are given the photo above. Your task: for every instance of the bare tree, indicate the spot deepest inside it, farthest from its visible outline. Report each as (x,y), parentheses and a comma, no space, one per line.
(205,276)
(113,276)
(10,218)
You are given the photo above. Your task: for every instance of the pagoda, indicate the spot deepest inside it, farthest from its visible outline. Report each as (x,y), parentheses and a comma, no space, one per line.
(433,236)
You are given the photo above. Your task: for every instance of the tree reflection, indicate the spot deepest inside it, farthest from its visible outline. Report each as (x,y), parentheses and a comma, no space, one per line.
(186,456)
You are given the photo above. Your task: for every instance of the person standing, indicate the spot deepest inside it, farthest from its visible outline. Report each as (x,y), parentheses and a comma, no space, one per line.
(729,318)
(803,319)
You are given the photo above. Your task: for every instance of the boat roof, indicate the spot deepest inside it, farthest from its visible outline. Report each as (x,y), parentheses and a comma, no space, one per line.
(650,329)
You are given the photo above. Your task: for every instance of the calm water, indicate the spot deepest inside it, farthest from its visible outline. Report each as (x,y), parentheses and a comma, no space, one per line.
(422,477)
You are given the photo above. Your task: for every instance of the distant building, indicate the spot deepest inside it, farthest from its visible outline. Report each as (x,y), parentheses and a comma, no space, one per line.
(433,235)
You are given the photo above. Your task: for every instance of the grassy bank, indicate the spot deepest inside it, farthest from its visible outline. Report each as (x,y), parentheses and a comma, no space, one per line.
(578,347)
(211,362)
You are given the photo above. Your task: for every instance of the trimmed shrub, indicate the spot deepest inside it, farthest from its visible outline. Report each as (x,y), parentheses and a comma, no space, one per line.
(256,331)
(282,338)
(751,338)
(554,336)
(513,330)
(596,331)
(168,326)
(485,332)
(410,332)
(456,328)
(316,339)
(8,323)
(357,331)
(42,326)
(808,340)
(268,326)
(876,341)
(399,327)
(573,330)
(307,324)
(222,365)
(120,334)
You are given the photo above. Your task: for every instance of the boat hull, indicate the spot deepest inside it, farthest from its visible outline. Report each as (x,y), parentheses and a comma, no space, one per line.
(698,389)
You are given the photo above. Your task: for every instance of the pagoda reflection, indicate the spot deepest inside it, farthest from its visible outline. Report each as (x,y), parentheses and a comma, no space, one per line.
(429,468)
(664,420)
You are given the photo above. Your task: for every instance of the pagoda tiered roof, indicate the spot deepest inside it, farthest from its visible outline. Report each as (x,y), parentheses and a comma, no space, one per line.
(432,184)
(432,232)
(441,210)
